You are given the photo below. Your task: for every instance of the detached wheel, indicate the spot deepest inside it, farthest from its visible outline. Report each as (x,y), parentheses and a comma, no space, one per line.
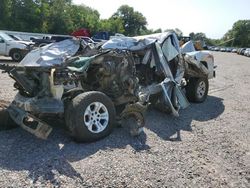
(16,55)
(197,89)
(90,116)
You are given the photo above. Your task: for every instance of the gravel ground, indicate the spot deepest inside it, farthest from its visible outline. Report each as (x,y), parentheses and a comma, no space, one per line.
(207,146)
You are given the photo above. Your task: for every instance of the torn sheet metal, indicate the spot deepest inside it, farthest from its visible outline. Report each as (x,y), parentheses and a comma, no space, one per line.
(169,85)
(81,64)
(139,42)
(29,122)
(163,62)
(169,50)
(39,105)
(51,54)
(197,57)
(127,43)
(187,47)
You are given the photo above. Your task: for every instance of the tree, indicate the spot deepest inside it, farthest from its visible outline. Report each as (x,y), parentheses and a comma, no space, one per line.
(5,12)
(23,15)
(240,33)
(202,37)
(197,36)
(134,22)
(178,32)
(84,17)
(59,20)
(114,25)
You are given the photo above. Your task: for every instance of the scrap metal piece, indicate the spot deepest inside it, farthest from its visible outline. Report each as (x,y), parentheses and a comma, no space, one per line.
(21,80)
(29,122)
(145,92)
(46,105)
(167,85)
(181,99)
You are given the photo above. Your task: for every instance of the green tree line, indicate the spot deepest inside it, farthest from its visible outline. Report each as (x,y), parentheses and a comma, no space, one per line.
(63,17)
(237,36)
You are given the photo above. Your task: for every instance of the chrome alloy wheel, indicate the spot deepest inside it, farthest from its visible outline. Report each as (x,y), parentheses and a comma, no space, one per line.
(96,117)
(201,89)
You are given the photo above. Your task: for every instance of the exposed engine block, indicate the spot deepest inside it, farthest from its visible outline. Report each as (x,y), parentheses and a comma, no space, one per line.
(114,74)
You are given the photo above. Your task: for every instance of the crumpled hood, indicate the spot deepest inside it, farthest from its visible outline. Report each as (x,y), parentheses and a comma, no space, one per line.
(139,42)
(52,54)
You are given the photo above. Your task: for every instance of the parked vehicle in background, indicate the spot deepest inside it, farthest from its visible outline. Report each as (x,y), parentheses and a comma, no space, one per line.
(216,49)
(241,51)
(247,52)
(81,33)
(210,48)
(87,40)
(42,42)
(15,37)
(238,50)
(16,49)
(101,36)
(234,50)
(25,36)
(223,49)
(49,39)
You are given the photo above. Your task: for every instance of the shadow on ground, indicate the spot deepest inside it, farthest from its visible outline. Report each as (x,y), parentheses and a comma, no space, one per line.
(21,151)
(167,125)
(7,61)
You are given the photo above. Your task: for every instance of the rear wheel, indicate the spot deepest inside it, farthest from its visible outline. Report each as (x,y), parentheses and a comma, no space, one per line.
(90,116)
(197,89)
(16,55)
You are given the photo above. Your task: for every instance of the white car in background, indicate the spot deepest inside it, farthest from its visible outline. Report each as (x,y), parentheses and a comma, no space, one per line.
(16,49)
(247,52)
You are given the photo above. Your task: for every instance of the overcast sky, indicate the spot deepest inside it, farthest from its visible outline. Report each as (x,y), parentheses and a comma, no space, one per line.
(212,17)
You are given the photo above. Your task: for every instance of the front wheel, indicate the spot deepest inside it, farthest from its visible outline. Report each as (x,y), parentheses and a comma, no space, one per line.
(197,89)
(90,116)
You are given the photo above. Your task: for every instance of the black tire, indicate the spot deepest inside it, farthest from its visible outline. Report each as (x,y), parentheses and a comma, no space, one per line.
(197,89)
(16,55)
(77,115)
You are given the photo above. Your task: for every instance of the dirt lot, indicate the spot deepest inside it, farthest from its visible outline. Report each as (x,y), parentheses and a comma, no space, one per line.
(207,146)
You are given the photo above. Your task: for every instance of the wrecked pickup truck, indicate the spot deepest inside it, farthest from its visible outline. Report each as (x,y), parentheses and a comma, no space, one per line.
(93,88)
